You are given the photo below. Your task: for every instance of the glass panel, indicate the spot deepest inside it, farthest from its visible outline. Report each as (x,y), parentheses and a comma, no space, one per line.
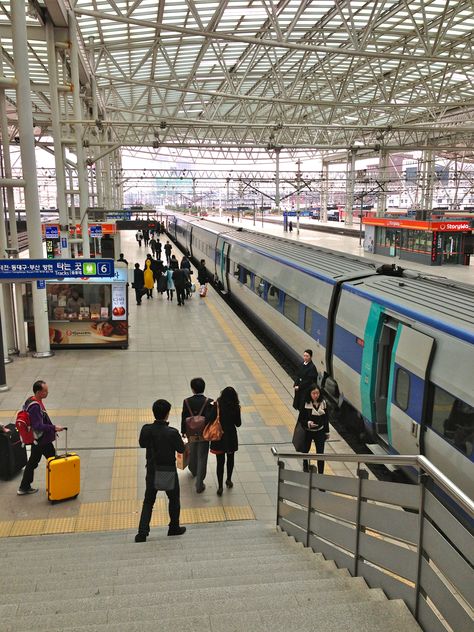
(291,309)
(402,389)
(453,419)
(259,286)
(308,320)
(273,296)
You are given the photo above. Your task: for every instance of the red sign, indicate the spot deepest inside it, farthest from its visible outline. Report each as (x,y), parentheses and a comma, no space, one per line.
(448,226)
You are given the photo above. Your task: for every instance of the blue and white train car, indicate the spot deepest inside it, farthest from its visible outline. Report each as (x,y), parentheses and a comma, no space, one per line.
(398,351)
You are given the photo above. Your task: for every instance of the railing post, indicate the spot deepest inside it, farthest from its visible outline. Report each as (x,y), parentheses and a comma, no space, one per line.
(281,466)
(308,516)
(361,475)
(421,512)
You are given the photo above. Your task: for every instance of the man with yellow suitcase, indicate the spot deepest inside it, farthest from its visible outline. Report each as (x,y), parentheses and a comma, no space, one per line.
(44,431)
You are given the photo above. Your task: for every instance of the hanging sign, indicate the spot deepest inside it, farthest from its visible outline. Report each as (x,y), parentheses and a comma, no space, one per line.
(55,268)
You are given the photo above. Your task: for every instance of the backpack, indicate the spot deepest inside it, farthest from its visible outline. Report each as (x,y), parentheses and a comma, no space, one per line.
(23,423)
(195,423)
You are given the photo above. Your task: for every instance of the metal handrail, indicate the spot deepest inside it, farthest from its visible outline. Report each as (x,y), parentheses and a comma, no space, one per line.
(466,503)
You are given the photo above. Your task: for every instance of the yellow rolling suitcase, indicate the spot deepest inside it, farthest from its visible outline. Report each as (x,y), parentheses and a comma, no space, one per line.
(63,476)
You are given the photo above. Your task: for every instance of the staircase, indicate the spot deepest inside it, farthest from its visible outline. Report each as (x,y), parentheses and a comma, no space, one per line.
(221,577)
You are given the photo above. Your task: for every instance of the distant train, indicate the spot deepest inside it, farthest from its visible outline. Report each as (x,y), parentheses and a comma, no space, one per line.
(394,351)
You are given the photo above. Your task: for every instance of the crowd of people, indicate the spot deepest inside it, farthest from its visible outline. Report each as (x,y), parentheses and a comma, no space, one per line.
(168,274)
(162,442)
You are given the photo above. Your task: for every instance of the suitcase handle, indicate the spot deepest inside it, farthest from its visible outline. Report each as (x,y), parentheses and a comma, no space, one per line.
(65,439)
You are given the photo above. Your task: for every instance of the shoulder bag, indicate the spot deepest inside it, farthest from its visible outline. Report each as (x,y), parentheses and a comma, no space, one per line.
(213,431)
(165,478)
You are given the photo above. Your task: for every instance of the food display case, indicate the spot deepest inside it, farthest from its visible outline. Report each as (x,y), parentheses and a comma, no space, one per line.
(84,313)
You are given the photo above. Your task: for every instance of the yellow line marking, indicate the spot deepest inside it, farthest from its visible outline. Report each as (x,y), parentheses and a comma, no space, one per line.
(113,516)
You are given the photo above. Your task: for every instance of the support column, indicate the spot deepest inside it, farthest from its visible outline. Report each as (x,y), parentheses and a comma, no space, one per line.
(28,164)
(58,146)
(428,180)
(298,186)
(7,330)
(384,162)
(350,186)
(323,212)
(78,131)
(15,289)
(277,184)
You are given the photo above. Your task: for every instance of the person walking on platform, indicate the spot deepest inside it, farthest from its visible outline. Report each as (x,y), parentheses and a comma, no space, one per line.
(148,279)
(197,405)
(122,259)
(202,276)
(185,263)
(174,265)
(146,237)
(169,284)
(158,249)
(227,407)
(161,443)
(153,246)
(138,283)
(168,252)
(313,418)
(45,433)
(305,376)
(179,280)
(139,237)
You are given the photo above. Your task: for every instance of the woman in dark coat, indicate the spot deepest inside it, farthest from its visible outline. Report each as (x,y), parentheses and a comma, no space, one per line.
(229,411)
(313,418)
(305,376)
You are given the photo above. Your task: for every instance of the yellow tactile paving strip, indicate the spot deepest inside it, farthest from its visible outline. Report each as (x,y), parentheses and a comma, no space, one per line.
(109,516)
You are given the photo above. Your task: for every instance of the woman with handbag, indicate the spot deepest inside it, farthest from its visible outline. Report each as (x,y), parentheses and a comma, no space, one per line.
(227,407)
(313,418)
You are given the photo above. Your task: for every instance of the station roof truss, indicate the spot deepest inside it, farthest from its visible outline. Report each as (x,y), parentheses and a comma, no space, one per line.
(237,78)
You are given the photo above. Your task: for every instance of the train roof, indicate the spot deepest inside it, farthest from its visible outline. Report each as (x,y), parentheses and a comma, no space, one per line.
(445,305)
(327,263)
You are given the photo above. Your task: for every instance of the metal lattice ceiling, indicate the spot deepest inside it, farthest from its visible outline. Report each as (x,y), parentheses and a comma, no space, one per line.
(240,77)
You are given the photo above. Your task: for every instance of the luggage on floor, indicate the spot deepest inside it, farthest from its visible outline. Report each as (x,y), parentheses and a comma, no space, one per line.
(203,291)
(182,460)
(13,455)
(63,476)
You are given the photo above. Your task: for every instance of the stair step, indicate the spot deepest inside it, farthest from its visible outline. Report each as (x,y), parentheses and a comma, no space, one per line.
(209,597)
(198,568)
(327,615)
(147,551)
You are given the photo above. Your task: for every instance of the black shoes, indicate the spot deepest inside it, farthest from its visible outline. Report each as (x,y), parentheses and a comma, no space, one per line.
(176,531)
(219,491)
(140,538)
(229,484)
(199,490)
(24,492)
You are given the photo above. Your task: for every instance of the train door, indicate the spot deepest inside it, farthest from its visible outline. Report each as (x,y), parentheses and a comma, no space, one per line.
(407,388)
(224,265)
(386,342)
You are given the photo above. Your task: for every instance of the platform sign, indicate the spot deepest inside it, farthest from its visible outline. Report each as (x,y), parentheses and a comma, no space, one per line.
(51,232)
(95,230)
(28,269)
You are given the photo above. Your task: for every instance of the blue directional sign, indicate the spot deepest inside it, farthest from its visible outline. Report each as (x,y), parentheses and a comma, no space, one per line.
(51,232)
(55,268)
(95,231)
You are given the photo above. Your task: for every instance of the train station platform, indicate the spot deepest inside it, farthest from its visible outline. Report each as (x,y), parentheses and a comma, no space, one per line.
(104,397)
(347,243)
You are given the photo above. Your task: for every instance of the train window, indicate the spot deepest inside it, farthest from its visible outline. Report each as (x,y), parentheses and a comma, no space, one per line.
(291,309)
(259,286)
(402,389)
(308,320)
(453,419)
(273,296)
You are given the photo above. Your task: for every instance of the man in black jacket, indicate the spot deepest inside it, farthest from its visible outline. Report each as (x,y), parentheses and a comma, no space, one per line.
(179,280)
(198,404)
(161,443)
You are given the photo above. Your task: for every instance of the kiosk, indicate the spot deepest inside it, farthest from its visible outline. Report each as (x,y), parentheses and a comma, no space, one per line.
(433,242)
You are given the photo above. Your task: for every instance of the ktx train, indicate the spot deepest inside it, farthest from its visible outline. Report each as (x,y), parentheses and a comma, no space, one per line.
(398,351)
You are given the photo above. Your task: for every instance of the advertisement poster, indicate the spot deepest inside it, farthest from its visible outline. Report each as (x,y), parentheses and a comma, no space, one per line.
(101,333)
(119,301)
(369,238)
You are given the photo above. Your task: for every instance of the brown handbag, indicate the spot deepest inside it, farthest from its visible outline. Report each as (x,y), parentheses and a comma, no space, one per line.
(213,431)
